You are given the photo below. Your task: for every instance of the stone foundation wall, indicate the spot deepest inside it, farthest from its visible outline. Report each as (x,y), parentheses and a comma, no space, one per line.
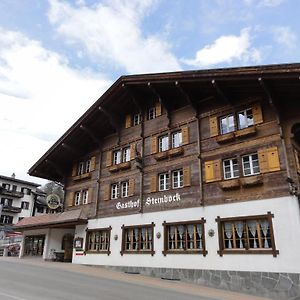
(271,285)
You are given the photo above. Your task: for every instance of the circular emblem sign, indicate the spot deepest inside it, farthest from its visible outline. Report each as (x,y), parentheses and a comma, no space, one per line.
(53,201)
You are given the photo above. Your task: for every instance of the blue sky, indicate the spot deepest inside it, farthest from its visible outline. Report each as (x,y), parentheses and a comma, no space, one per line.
(59,56)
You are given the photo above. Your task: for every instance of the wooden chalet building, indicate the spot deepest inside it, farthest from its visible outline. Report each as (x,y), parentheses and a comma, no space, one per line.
(194,170)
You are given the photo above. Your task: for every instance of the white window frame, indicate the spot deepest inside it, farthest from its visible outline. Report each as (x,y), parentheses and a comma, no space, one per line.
(88,166)
(177,179)
(176,139)
(77,201)
(85,196)
(117,157)
(248,122)
(115,191)
(151,113)
(227,119)
(251,161)
(126,154)
(164,181)
(137,118)
(80,168)
(124,189)
(231,168)
(163,143)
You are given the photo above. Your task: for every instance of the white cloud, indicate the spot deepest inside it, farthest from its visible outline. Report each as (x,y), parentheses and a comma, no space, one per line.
(40,98)
(284,36)
(226,49)
(110,32)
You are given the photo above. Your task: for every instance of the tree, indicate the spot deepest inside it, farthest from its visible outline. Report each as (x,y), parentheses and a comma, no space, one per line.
(52,187)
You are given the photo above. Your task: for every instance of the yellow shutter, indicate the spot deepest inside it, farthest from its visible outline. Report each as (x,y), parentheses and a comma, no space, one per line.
(90,195)
(187,176)
(212,170)
(213,125)
(128,121)
(70,198)
(153,184)
(157,109)
(185,135)
(131,187)
(153,144)
(273,159)
(106,192)
(109,158)
(74,170)
(93,163)
(263,160)
(297,160)
(257,114)
(132,151)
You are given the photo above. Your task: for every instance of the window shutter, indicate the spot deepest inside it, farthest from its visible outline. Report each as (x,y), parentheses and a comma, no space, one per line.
(93,163)
(297,160)
(70,198)
(212,170)
(157,109)
(263,160)
(187,176)
(74,170)
(257,114)
(153,144)
(273,159)
(109,158)
(185,135)
(90,195)
(213,125)
(128,121)
(153,184)
(132,151)
(131,187)
(106,192)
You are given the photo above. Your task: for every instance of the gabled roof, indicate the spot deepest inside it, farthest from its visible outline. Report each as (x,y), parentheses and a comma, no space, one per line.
(130,93)
(20,181)
(65,219)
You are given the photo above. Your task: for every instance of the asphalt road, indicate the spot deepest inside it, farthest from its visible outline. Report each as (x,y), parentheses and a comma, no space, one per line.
(28,282)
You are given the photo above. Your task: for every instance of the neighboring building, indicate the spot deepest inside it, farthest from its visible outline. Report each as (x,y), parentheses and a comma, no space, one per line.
(172,172)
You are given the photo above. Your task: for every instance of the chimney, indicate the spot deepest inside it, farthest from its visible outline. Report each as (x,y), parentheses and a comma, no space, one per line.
(13,175)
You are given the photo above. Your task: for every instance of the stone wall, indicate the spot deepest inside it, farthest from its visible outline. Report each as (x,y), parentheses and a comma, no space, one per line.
(270,285)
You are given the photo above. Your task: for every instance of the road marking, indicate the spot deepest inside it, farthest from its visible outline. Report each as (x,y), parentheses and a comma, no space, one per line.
(12,297)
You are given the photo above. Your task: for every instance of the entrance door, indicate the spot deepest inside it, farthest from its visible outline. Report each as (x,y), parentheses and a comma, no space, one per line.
(67,245)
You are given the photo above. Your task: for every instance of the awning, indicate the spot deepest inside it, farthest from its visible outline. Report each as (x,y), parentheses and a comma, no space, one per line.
(68,219)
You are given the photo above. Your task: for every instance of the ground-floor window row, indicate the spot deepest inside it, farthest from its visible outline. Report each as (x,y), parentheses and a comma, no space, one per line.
(237,235)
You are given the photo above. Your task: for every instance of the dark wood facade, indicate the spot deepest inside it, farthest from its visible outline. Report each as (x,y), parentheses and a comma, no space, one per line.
(194,104)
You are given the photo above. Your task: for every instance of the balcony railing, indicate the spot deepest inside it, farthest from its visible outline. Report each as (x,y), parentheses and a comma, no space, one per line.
(12,193)
(11,209)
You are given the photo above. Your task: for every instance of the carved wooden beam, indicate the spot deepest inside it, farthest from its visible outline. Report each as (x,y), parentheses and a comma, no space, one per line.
(162,101)
(113,120)
(56,167)
(220,92)
(132,96)
(187,96)
(90,134)
(71,149)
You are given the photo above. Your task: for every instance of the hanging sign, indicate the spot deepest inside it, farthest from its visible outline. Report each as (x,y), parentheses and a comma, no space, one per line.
(53,201)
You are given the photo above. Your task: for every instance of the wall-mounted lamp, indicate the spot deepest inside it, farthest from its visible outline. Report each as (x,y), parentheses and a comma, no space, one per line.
(158,235)
(211,232)
(115,237)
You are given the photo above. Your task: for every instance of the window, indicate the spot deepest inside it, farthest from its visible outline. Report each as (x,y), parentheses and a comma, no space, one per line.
(184,237)
(163,181)
(176,139)
(227,124)
(14,188)
(251,164)
(124,189)
(245,118)
(25,205)
(6,202)
(98,240)
(77,198)
(80,168)
(177,179)
(151,113)
(121,155)
(6,219)
(253,234)
(40,209)
(6,186)
(163,143)
(115,191)
(230,168)
(85,196)
(137,239)
(137,118)
(88,166)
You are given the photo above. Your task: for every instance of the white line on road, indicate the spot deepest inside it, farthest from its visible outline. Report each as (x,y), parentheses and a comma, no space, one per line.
(12,297)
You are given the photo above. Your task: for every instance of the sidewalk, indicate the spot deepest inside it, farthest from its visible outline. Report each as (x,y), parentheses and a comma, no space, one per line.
(95,271)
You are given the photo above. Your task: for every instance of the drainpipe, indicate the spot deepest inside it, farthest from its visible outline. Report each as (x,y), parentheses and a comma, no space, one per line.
(142,165)
(200,160)
(98,183)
